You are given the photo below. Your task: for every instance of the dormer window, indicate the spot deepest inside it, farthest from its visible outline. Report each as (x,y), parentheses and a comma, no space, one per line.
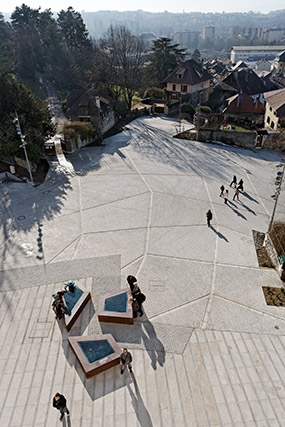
(180,73)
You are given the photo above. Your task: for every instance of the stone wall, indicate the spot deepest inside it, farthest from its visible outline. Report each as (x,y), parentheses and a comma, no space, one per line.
(274,141)
(242,139)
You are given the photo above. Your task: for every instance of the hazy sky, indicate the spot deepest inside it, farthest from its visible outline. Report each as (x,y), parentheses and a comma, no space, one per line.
(149,5)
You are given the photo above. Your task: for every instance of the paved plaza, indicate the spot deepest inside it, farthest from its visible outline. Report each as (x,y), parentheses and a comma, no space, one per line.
(208,350)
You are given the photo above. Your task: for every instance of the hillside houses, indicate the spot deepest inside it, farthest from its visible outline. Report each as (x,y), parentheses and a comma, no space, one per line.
(191,78)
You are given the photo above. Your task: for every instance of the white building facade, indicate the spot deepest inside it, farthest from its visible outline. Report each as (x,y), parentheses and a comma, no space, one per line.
(255,53)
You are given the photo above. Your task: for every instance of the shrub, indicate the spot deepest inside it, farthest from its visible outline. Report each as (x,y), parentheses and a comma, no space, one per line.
(204,109)
(154,93)
(82,129)
(187,108)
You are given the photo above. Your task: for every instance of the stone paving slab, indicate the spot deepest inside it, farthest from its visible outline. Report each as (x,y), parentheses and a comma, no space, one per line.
(229,316)
(123,214)
(246,288)
(129,244)
(208,351)
(118,188)
(182,242)
(158,275)
(27,277)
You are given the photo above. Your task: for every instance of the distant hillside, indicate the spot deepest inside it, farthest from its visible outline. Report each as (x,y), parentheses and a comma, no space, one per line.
(165,23)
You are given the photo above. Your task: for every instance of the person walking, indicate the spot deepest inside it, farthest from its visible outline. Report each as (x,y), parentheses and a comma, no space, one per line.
(126,360)
(138,296)
(226,196)
(222,191)
(59,402)
(236,195)
(234,181)
(240,185)
(209,216)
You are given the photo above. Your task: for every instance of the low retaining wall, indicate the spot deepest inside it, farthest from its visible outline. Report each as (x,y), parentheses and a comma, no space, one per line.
(272,141)
(231,137)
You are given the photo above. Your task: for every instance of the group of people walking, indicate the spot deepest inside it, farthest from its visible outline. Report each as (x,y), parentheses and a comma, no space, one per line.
(238,186)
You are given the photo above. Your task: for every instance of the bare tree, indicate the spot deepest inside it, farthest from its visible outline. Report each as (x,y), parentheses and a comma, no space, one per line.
(124,56)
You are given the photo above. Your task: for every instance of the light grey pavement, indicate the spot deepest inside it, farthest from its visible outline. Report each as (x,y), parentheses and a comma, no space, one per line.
(208,351)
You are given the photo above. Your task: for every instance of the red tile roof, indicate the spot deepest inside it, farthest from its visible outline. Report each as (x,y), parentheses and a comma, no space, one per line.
(243,104)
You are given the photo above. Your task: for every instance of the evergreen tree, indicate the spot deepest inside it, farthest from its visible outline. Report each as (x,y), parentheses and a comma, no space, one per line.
(164,58)
(27,41)
(79,50)
(6,61)
(34,118)
(73,29)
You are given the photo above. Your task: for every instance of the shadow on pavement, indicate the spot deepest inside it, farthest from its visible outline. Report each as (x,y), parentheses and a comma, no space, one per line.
(236,211)
(249,197)
(142,332)
(220,235)
(138,405)
(247,208)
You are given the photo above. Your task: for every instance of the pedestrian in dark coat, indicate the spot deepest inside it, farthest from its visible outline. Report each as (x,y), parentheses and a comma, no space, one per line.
(131,280)
(138,296)
(240,185)
(209,216)
(59,402)
(234,181)
(222,190)
(126,360)
(226,195)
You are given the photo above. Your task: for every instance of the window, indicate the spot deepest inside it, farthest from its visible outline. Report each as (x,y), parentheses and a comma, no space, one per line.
(268,120)
(173,87)
(270,108)
(179,76)
(183,88)
(272,125)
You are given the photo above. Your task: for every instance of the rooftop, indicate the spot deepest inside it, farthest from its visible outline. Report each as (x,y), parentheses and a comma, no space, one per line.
(249,48)
(276,99)
(191,73)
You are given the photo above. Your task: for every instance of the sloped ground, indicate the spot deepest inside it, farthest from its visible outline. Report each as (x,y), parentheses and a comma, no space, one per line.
(208,351)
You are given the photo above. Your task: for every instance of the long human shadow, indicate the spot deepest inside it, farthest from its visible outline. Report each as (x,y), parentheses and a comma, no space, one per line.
(249,197)
(141,332)
(142,413)
(153,345)
(236,211)
(220,235)
(247,208)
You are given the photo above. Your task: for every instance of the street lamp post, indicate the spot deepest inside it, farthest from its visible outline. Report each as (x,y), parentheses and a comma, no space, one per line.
(278,183)
(23,145)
